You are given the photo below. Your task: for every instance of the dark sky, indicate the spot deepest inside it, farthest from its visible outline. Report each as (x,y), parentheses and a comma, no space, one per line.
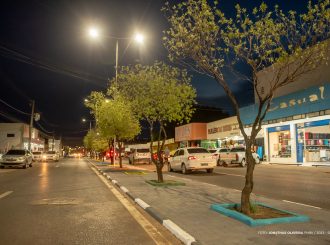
(46,56)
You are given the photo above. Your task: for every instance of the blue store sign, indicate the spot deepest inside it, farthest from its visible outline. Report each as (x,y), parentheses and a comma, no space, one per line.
(309,100)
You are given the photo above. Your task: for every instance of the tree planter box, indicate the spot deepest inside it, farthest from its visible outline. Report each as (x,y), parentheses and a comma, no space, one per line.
(165,183)
(227,209)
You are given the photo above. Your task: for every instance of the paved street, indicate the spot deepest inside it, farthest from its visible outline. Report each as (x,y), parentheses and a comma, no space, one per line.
(66,203)
(306,185)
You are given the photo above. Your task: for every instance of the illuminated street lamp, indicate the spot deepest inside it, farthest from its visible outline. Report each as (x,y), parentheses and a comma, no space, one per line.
(138,38)
(90,123)
(94,32)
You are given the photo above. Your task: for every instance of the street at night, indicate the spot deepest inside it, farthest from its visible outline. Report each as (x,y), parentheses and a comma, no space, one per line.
(193,122)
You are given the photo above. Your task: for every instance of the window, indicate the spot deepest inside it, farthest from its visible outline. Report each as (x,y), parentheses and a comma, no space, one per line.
(197,150)
(16,152)
(10,135)
(142,150)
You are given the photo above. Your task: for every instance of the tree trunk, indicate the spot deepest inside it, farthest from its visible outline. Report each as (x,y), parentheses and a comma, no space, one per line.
(248,188)
(159,168)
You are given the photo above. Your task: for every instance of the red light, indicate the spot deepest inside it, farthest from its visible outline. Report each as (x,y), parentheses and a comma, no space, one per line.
(191,158)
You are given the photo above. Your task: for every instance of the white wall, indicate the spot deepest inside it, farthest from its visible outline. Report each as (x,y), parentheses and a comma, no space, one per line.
(7,143)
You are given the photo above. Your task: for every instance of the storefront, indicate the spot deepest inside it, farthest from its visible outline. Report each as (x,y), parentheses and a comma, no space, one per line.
(313,141)
(297,127)
(191,134)
(224,133)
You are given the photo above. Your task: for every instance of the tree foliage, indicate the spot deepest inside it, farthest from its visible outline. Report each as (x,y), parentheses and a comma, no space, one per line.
(291,45)
(159,94)
(95,142)
(115,120)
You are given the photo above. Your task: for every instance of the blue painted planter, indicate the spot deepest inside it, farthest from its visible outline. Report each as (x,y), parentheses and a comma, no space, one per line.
(225,209)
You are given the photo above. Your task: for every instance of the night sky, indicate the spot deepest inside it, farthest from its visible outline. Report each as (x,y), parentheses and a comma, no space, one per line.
(45,56)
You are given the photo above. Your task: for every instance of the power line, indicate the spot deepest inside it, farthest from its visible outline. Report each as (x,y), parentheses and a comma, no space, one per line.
(14,108)
(12,54)
(43,129)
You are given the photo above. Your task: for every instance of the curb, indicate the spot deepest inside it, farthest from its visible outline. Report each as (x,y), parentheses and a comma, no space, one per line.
(182,235)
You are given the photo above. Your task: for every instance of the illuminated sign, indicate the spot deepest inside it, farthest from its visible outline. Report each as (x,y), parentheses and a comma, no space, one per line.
(305,101)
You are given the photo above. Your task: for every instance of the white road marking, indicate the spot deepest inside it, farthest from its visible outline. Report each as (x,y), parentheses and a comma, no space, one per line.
(302,204)
(152,231)
(5,194)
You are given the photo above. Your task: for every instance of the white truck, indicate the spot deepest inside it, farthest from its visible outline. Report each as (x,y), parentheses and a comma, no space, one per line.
(235,156)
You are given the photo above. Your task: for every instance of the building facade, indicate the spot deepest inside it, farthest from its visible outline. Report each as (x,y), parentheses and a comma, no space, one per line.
(297,126)
(16,136)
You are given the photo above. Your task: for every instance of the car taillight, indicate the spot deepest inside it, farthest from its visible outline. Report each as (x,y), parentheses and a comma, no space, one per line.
(236,157)
(215,156)
(191,158)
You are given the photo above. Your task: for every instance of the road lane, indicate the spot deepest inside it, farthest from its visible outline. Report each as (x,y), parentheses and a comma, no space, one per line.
(305,185)
(63,203)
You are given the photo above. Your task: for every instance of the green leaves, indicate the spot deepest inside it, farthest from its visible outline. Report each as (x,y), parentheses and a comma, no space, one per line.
(158,93)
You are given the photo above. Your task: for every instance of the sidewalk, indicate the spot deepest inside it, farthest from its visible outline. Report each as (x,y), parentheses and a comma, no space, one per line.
(189,207)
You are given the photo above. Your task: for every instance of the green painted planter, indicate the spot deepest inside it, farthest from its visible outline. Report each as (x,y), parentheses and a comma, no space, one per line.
(226,209)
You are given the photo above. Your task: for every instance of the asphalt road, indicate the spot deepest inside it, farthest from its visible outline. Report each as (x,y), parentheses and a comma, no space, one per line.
(64,203)
(304,185)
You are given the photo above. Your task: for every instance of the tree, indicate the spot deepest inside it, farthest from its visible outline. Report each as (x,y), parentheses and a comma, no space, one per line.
(95,142)
(159,94)
(205,40)
(115,119)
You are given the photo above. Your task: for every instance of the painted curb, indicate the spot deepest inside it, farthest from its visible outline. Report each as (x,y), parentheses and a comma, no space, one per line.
(155,214)
(182,235)
(224,209)
(178,232)
(141,203)
(130,196)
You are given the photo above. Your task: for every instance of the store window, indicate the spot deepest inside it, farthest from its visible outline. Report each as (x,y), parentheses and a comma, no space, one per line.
(315,140)
(280,142)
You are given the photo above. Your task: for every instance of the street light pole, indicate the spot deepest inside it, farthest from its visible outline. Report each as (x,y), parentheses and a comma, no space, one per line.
(114,138)
(94,33)
(31,125)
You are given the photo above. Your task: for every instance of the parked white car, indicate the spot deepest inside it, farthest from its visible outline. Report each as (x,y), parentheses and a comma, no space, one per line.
(216,152)
(141,155)
(236,156)
(16,158)
(192,158)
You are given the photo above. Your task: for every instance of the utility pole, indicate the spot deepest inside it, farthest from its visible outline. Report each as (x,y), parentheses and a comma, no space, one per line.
(31,124)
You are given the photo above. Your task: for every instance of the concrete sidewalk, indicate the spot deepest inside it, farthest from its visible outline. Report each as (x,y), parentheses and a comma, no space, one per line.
(189,208)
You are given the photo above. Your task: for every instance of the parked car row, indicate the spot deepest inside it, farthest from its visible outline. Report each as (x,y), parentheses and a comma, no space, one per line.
(24,158)
(195,158)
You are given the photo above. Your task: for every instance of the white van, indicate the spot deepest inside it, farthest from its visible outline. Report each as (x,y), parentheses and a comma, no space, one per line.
(140,155)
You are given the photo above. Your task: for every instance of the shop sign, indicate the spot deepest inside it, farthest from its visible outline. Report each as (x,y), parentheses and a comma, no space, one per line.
(279,128)
(225,128)
(314,124)
(309,100)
